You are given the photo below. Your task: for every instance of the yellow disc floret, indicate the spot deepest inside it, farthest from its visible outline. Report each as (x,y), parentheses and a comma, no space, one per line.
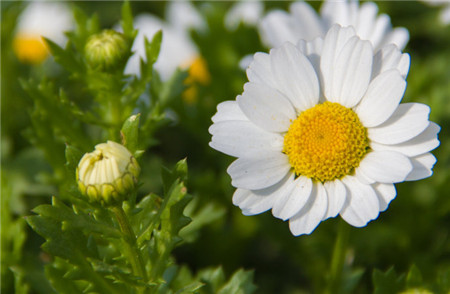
(326,142)
(30,48)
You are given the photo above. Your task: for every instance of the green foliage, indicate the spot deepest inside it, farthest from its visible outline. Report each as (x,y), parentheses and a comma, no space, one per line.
(183,233)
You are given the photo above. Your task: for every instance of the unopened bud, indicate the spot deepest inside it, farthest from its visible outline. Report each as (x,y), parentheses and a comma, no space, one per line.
(107,174)
(106,50)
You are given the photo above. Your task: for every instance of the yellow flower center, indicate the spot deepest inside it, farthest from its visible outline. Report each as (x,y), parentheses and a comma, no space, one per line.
(326,142)
(30,49)
(198,74)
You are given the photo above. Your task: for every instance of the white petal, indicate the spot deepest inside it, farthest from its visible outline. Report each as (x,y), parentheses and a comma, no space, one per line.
(243,139)
(380,30)
(276,28)
(408,121)
(366,20)
(386,193)
(258,201)
(362,204)
(258,173)
(312,50)
(306,21)
(295,76)
(260,71)
(336,194)
(305,221)
(345,65)
(398,36)
(333,43)
(250,203)
(228,110)
(352,71)
(266,107)
(183,16)
(362,177)
(339,12)
(390,57)
(294,200)
(382,98)
(420,144)
(422,166)
(385,166)
(247,12)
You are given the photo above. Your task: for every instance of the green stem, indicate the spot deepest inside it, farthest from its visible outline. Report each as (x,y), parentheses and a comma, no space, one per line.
(130,240)
(338,258)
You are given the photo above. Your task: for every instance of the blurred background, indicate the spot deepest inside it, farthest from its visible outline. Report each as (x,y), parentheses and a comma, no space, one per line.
(413,231)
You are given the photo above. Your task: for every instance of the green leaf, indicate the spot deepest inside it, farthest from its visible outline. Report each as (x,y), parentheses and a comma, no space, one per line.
(414,277)
(152,49)
(65,58)
(120,276)
(206,215)
(240,283)
(173,88)
(351,280)
(388,282)
(127,20)
(213,278)
(70,220)
(169,176)
(130,133)
(59,282)
(73,156)
(148,211)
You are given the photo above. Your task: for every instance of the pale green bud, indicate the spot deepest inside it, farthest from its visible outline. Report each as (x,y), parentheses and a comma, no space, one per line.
(416,291)
(107,174)
(106,50)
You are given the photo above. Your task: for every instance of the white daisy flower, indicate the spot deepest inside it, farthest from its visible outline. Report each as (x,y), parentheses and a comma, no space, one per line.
(248,12)
(41,19)
(177,48)
(319,131)
(304,23)
(444,15)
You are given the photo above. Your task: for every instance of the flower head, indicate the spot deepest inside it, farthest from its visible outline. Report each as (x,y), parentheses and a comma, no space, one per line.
(41,19)
(106,49)
(304,23)
(319,131)
(246,12)
(177,48)
(108,173)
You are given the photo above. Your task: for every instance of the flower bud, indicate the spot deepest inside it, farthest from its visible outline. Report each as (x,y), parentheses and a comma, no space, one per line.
(106,50)
(107,174)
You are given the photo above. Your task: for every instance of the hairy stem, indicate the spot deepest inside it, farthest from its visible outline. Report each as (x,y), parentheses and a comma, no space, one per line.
(133,252)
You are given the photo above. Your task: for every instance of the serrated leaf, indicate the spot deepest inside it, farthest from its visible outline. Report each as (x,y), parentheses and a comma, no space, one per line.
(59,243)
(130,133)
(240,283)
(61,284)
(170,176)
(64,58)
(388,282)
(118,273)
(414,277)
(62,213)
(148,211)
(213,279)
